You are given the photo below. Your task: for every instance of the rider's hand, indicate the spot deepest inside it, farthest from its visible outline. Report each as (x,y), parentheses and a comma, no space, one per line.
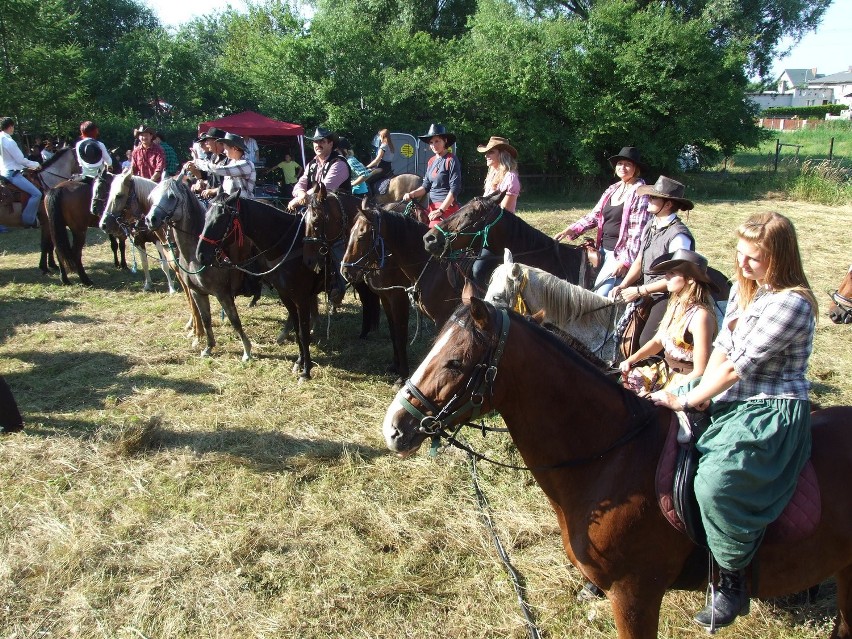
(625,367)
(563,235)
(406,197)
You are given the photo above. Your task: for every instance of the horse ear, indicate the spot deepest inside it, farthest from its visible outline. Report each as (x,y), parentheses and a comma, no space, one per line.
(515,271)
(508,258)
(538,317)
(468,291)
(479,313)
(233,198)
(321,193)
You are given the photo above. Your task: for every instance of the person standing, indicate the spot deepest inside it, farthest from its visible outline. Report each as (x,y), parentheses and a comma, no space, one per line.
(328,166)
(291,170)
(148,159)
(756,392)
(665,233)
(620,217)
(12,165)
(502,161)
(92,155)
(443,180)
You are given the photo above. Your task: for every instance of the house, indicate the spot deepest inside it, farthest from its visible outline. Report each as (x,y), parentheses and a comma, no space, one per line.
(840,84)
(795,87)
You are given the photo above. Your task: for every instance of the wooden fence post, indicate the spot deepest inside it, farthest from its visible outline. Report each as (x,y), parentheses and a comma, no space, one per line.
(777,152)
(830,149)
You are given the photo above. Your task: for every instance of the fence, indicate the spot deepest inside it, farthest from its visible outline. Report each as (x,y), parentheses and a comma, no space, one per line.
(788,124)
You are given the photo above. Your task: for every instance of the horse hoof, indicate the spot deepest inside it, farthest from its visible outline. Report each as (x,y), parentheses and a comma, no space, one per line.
(172,291)
(147,288)
(195,342)
(246,357)
(282,338)
(297,367)
(398,384)
(205,352)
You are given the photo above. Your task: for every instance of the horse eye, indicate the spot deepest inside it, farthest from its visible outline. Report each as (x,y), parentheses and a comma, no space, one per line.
(455,365)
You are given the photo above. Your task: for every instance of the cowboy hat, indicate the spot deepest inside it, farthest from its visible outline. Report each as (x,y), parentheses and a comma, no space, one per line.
(322,133)
(668,189)
(629,153)
(496,142)
(90,151)
(232,139)
(212,132)
(439,130)
(144,128)
(690,263)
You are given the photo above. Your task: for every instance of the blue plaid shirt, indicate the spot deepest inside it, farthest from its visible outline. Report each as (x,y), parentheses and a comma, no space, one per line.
(769,347)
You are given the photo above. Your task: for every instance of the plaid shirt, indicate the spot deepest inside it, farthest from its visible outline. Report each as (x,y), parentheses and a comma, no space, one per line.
(172,162)
(239,174)
(633,222)
(769,347)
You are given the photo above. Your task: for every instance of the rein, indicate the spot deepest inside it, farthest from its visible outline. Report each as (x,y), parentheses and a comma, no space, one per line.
(450,236)
(843,303)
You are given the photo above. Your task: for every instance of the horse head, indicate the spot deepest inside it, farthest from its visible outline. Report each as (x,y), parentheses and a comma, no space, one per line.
(218,224)
(504,288)
(117,202)
(365,248)
(168,201)
(325,225)
(840,310)
(460,230)
(100,193)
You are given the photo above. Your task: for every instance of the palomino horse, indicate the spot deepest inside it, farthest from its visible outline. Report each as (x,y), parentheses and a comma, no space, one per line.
(593,448)
(399,186)
(589,318)
(328,223)
(482,222)
(173,202)
(840,311)
(128,200)
(278,236)
(382,240)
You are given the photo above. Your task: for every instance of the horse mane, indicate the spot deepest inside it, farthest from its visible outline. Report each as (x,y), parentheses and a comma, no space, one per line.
(565,302)
(525,236)
(56,157)
(145,187)
(403,227)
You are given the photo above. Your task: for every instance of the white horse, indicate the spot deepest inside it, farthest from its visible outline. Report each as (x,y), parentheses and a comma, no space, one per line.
(128,202)
(586,316)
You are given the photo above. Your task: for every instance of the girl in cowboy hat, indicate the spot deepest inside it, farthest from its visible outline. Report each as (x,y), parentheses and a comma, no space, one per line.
(686,331)
(756,392)
(443,176)
(238,174)
(501,159)
(620,217)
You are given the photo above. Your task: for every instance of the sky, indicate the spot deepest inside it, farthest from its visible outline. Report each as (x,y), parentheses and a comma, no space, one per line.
(829,49)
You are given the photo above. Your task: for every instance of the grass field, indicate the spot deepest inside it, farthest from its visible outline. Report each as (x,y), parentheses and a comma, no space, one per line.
(158,494)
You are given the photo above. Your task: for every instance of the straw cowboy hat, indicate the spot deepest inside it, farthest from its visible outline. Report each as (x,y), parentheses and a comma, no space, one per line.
(321,133)
(690,263)
(495,142)
(630,153)
(232,139)
(439,130)
(668,189)
(144,128)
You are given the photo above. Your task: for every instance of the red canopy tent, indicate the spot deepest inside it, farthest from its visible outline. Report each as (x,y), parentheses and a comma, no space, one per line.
(263,129)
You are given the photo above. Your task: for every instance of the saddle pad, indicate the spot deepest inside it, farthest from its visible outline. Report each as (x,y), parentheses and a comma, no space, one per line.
(798,521)
(383,186)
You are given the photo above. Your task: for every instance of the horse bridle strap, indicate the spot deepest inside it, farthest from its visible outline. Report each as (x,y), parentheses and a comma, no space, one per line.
(449,236)
(378,247)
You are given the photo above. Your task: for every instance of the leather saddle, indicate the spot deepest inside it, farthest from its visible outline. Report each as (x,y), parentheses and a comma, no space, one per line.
(676,496)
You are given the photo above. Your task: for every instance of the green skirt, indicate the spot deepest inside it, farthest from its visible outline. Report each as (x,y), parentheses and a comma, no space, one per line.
(751,457)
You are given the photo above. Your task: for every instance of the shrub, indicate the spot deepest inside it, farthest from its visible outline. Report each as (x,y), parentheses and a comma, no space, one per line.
(817,112)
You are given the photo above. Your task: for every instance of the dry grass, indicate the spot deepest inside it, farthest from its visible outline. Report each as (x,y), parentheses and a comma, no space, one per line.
(157,494)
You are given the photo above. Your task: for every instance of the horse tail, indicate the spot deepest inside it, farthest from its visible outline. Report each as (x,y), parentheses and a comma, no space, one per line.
(58,227)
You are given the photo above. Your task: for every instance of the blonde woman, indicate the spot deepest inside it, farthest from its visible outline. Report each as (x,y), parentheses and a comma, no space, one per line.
(686,331)
(380,165)
(755,388)
(501,158)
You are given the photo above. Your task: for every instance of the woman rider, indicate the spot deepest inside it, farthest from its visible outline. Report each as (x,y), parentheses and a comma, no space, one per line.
(443,176)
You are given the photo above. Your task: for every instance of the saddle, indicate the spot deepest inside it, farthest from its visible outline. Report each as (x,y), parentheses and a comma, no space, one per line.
(12,202)
(382,186)
(631,330)
(676,496)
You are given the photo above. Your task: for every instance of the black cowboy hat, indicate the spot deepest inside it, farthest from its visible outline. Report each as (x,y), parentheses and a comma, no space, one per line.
(343,143)
(693,264)
(212,132)
(144,128)
(90,151)
(232,139)
(439,130)
(321,133)
(668,189)
(630,153)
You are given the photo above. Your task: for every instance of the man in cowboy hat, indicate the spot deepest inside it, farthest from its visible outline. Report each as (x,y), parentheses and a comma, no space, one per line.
(214,153)
(328,167)
(665,233)
(148,159)
(237,175)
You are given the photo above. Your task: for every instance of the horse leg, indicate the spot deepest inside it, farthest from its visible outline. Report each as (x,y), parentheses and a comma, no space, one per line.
(195,324)
(637,616)
(113,245)
(164,264)
(202,304)
(842,628)
(143,258)
(397,310)
(77,251)
(303,334)
(230,308)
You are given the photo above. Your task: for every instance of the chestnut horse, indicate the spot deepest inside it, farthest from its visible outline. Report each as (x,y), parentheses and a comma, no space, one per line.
(840,311)
(328,222)
(482,222)
(399,186)
(593,448)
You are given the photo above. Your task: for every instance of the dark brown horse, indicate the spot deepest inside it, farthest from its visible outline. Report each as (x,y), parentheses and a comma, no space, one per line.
(328,222)
(840,310)
(593,448)
(482,222)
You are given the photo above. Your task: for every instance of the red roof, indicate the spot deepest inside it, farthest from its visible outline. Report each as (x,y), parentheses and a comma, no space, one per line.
(255,125)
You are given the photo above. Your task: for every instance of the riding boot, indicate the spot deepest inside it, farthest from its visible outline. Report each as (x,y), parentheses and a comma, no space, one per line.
(730,600)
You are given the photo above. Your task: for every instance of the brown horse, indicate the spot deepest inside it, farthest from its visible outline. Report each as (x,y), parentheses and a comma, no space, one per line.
(840,311)
(593,448)
(328,223)
(482,222)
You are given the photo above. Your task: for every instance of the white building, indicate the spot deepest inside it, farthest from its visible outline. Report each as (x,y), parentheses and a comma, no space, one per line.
(803,87)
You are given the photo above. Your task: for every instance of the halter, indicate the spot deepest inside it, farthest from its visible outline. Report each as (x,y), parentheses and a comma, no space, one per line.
(844,304)
(450,236)
(378,247)
(233,228)
(436,421)
(325,244)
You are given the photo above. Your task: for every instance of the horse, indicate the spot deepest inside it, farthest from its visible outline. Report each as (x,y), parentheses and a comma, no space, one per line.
(587,317)
(127,201)
(279,237)
(840,310)
(381,240)
(398,186)
(482,222)
(328,223)
(593,448)
(172,201)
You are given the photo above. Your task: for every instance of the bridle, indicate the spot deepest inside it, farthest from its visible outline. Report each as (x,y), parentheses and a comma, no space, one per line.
(450,236)
(325,244)
(234,227)
(844,304)
(377,248)
(436,421)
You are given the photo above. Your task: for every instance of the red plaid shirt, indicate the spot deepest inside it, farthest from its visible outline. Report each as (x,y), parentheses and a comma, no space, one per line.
(146,162)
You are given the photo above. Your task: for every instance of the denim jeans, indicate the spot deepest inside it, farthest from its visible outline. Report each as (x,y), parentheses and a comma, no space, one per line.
(30,212)
(606,279)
